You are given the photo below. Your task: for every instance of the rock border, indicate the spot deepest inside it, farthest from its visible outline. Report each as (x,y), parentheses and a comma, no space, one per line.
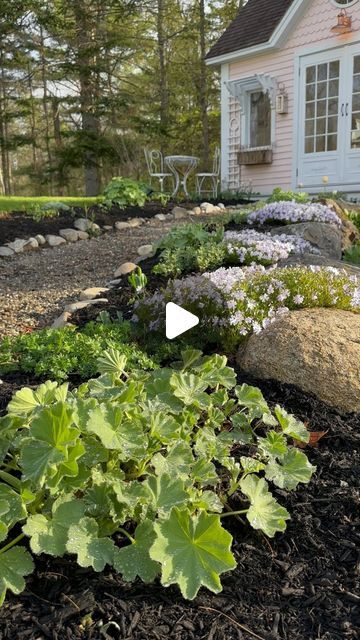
(83,229)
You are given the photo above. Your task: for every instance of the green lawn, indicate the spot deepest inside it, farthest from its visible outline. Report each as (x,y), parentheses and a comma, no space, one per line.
(14,203)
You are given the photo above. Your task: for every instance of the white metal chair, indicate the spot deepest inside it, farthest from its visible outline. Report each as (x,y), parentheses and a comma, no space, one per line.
(212,177)
(155,165)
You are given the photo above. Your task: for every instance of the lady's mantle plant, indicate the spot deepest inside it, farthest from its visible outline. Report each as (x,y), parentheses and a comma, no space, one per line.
(290,212)
(138,472)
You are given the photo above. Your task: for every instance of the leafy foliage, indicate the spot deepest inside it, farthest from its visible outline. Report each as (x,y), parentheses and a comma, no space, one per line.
(62,352)
(153,457)
(352,254)
(279,195)
(126,192)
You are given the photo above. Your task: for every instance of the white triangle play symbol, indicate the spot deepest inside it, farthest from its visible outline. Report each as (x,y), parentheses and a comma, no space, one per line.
(178,320)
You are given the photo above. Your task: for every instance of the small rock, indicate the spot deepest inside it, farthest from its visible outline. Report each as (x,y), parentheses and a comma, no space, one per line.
(40,239)
(75,306)
(135,222)
(6,252)
(161,217)
(31,244)
(221,205)
(169,216)
(180,213)
(83,224)
(125,267)
(61,321)
(121,225)
(145,250)
(196,211)
(17,245)
(70,235)
(113,283)
(92,292)
(207,207)
(83,235)
(107,227)
(54,241)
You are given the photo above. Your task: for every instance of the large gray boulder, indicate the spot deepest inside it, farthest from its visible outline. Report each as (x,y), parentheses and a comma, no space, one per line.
(317,350)
(326,237)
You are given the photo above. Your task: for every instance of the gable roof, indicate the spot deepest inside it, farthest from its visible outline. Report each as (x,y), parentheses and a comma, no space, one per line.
(254,25)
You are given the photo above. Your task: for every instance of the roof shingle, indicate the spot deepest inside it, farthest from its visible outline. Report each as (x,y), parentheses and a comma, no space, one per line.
(254,24)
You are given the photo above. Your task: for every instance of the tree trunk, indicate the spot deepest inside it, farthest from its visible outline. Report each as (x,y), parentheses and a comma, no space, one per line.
(89,119)
(46,108)
(5,160)
(55,103)
(203,84)
(163,80)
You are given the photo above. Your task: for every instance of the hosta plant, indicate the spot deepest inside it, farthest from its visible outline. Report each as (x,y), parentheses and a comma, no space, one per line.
(141,472)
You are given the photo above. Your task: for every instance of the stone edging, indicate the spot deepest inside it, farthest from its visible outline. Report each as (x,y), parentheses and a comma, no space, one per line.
(84,228)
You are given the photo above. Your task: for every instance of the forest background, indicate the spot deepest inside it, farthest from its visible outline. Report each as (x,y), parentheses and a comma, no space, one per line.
(86,85)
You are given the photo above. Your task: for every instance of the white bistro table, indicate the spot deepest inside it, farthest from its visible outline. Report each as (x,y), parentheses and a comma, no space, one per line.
(181,167)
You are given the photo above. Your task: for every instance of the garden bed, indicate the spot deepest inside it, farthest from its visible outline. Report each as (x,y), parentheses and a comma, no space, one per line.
(301,584)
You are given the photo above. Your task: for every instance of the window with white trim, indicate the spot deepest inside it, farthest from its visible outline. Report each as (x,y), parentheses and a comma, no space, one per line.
(259,119)
(342,4)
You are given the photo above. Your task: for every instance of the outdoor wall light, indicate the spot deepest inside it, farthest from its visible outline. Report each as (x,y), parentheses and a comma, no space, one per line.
(343,24)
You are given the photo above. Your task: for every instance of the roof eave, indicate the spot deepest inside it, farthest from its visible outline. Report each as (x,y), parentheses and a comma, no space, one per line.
(278,37)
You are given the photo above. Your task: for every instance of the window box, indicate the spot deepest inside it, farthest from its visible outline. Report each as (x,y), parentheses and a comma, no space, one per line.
(257,155)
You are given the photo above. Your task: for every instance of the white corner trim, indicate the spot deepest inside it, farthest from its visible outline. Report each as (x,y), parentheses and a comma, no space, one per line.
(225,126)
(278,37)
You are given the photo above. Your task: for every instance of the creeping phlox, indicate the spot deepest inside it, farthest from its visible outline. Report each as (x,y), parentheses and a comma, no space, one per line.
(289,212)
(235,302)
(250,245)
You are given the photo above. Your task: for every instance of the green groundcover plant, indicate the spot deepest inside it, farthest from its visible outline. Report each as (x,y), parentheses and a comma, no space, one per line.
(60,353)
(279,195)
(139,471)
(235,302)
(29,204)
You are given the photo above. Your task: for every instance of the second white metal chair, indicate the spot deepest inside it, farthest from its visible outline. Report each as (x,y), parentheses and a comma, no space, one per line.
(155,165)
(212,177)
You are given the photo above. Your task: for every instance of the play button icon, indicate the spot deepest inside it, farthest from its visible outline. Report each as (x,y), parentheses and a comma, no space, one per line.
(178,320)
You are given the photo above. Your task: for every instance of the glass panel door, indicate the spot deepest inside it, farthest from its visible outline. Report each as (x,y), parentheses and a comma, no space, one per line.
(321,107)
(355,105)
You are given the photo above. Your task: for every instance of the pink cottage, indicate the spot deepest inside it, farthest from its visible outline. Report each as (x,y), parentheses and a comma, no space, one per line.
(290,96)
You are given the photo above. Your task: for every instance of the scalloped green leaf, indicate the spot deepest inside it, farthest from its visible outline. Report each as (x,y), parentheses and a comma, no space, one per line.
(291,426)
(252,399)
(251,465)
(91,551)
(26,400)
(109,423)
(193,550)
(293,468)
(16,510)
(14,565)
(165,492)
(134,560)
(213,371)
(190,389)
(264,513)
(274,445)
(50,535)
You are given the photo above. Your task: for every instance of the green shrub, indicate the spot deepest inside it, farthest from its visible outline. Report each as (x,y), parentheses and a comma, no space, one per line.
(278,195)
(61,353)
(353,254)
(355,217)
(125,192)
(152,459)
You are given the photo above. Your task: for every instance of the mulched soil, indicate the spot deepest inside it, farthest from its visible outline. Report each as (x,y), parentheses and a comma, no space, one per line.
(18,224)
(301,585)
(21,225)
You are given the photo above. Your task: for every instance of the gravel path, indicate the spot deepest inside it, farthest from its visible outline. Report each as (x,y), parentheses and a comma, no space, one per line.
(35,286)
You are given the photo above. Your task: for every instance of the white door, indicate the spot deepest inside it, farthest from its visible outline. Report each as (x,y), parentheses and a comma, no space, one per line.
(329,115)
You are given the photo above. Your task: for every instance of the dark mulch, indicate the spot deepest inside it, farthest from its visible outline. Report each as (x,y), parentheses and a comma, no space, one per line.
(20,225)
(301,585)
